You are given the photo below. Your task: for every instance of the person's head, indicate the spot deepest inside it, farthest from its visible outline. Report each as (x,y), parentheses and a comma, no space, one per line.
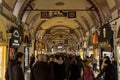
(51,58)
(106,58)
(107,62)
(19,56)
(60,58)
(32,55)
(104,55)
(87,63)
(39,57)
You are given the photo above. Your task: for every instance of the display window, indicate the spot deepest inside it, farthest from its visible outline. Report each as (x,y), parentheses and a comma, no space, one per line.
(3,61)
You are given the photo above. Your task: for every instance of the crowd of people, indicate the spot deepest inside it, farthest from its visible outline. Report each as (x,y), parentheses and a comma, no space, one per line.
(68,67)
(63,67)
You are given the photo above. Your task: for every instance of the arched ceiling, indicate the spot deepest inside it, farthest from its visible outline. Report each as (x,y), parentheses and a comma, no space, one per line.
(89,14)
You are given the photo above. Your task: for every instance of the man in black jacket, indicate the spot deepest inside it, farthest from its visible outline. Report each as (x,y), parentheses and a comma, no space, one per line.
(109,71)
(14,70)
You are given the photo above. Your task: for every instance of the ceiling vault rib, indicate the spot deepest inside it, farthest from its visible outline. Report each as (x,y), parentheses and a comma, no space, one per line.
(60,10)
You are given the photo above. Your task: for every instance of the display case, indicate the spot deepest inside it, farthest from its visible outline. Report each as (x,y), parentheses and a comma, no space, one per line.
(118,60)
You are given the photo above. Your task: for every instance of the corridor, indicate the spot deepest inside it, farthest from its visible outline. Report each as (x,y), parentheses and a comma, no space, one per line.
(86,29)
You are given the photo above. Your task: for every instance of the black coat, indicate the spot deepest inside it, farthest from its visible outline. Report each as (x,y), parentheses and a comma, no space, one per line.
(74,73)
(14,71)
(41,71)
(110,72)
(59,71)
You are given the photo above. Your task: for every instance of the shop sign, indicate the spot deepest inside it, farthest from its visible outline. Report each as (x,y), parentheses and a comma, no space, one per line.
(104,44)
(15,42)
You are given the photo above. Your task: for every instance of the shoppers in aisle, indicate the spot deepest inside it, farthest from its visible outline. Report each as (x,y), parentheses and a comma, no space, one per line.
(41,69)
(14,70)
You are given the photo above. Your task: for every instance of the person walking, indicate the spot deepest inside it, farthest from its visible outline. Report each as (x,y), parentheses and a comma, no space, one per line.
(41,70)
(14,69)
(74,70)
(88,71)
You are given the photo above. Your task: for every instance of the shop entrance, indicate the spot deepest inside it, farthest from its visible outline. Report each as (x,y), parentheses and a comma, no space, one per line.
(2,62)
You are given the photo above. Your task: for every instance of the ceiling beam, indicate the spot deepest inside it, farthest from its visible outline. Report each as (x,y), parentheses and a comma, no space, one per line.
(60,9)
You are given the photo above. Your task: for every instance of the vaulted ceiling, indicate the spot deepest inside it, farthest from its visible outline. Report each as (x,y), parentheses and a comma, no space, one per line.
(89,14)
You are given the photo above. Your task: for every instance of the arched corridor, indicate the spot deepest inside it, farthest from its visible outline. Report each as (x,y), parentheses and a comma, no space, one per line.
(70,27)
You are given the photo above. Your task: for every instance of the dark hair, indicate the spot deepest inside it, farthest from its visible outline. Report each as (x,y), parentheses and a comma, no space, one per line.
(107,61)
(107,57)
(18,55)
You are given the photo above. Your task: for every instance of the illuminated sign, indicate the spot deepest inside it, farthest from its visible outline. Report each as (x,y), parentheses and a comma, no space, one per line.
(15,42)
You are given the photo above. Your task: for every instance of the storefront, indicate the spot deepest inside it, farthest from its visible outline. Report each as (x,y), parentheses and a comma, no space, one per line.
(3,53)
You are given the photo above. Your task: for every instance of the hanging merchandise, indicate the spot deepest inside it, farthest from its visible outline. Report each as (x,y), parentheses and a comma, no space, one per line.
(95,38)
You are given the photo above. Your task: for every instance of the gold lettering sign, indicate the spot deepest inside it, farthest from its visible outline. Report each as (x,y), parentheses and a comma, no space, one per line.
(104,44)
